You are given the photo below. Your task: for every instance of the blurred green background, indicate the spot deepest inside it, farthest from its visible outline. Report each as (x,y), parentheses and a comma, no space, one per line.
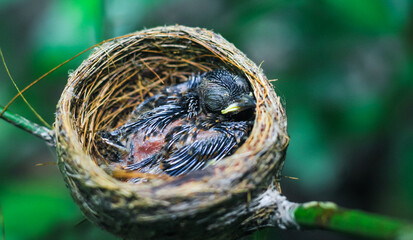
(345,73)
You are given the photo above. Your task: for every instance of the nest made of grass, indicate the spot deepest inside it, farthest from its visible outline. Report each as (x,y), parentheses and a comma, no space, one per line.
(118,76)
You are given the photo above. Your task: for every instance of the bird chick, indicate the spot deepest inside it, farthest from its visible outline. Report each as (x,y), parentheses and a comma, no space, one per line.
(188,126)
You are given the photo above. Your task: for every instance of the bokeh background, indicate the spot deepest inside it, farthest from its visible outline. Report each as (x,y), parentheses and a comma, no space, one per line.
(344,70)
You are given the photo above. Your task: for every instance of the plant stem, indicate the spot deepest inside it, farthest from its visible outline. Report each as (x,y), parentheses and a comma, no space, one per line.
(327,215)
(44,133)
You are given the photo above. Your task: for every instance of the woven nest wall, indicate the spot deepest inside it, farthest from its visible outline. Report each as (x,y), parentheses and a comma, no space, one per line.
(106,88)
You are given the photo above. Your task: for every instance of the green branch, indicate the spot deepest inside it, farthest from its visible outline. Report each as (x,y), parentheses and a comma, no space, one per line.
(327,215)
(44,133)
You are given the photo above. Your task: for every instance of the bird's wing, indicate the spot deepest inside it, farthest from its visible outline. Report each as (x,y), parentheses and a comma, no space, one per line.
(152,121)
(169,95)
(198,154)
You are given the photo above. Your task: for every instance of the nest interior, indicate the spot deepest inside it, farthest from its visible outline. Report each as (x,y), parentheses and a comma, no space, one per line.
(108,86)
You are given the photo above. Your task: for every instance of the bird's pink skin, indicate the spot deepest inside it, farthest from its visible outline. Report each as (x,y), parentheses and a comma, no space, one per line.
(146,147)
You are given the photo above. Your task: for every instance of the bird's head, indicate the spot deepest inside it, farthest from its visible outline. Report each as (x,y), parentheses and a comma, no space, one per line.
(225,93)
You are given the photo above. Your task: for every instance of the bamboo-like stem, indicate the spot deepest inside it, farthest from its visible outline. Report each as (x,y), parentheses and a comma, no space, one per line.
(44,133)
(327,215)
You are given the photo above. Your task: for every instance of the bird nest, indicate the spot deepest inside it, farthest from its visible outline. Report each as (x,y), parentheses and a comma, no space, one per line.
(110,84)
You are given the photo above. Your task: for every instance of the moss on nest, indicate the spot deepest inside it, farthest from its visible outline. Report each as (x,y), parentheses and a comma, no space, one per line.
(106,88)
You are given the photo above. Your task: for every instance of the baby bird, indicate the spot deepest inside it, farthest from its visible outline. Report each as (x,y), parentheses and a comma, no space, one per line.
(187,126)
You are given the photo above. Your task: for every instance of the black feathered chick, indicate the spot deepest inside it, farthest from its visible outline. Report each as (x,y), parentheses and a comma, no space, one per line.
(187,126)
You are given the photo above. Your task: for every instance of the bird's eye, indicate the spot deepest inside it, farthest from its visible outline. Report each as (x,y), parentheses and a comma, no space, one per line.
(215,101)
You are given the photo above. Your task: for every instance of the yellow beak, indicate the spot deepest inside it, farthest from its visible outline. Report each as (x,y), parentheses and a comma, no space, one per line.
(231,108)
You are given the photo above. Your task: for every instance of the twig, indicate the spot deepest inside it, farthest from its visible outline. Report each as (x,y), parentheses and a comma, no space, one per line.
(44,133)
(327,215)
